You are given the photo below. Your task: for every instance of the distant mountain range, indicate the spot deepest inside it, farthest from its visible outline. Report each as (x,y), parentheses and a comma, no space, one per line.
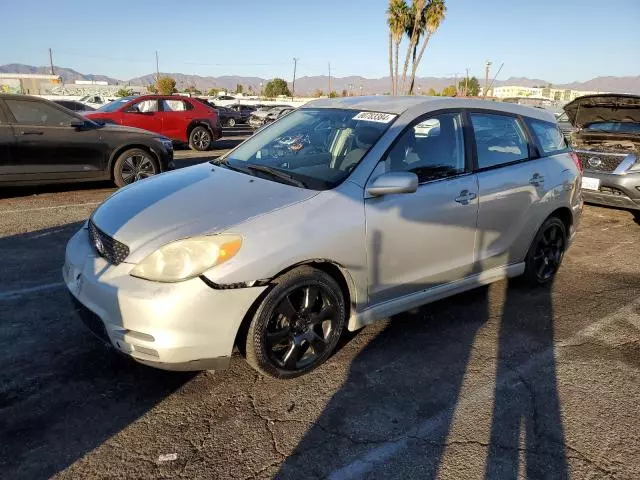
(307,85)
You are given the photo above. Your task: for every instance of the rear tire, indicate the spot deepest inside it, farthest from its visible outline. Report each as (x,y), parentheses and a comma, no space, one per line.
(133,165)
(200,139)
(546,252)
(298,324)
(231,122)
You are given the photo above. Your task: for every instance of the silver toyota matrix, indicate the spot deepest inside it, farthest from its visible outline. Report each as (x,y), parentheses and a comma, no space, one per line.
(341,213)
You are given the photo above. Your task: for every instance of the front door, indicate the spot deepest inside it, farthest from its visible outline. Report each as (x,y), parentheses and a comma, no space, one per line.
(46,143)
(511,186)
(143,114)
(423,239)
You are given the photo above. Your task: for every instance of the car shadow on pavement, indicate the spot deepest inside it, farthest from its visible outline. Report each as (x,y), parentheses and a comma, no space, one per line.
(62,392)
(400,411)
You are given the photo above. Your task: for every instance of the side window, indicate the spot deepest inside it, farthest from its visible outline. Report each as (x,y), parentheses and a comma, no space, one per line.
(432,149)
(174,105)
(37,113)
(500,139)
(549,136)
(145,106)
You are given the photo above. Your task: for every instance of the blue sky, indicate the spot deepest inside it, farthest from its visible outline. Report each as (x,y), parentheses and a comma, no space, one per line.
(555,40)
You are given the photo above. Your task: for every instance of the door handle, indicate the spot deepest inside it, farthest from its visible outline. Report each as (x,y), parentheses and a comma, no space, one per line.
(31,132)
(465,197)
(537,180)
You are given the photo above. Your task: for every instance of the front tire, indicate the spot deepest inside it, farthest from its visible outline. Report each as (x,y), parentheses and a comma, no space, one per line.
(200,139)
(546,252)
(298,324)
(231,122)
(133,165)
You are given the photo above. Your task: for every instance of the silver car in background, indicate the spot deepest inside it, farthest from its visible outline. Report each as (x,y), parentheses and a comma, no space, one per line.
(344,212)
(606,138)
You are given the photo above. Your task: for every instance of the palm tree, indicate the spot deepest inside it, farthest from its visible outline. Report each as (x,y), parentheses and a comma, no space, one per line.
(397,15)
(409,32)
(412,29)
(434,14)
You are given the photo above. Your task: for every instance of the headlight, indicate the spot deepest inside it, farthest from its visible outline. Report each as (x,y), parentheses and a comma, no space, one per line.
(168,144)
(635,167)
(187,258)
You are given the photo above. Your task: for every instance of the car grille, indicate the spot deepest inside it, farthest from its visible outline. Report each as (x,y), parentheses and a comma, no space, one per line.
(108,248)
(608,162)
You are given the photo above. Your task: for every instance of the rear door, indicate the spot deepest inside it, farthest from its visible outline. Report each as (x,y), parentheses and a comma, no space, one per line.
(512,185)
(143,114)
(47,144)
(174,113)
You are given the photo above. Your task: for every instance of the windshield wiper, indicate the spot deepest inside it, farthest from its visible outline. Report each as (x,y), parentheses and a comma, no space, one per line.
(223,163)
(274,172)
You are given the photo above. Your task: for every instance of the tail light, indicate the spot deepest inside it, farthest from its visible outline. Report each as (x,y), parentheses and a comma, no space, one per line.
(576,160)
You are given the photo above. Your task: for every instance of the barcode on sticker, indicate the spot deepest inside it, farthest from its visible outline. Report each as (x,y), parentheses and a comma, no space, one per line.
(375,117)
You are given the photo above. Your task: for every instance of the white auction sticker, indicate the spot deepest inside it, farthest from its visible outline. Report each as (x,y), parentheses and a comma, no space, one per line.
(375,117)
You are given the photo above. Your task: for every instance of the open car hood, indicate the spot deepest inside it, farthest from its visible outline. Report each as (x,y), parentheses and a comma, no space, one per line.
(610,107)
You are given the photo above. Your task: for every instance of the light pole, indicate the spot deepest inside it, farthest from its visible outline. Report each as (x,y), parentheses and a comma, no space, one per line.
(293,84)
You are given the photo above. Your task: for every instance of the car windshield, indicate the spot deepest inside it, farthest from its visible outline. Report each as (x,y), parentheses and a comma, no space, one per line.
(315,148)
(115,105)
(617,127)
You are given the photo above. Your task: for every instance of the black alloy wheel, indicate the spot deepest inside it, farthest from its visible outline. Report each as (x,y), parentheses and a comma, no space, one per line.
(546,252)
(298,324)
(200,139)
(133,165)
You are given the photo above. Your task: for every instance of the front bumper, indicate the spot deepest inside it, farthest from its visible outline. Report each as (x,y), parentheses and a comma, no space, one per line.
(621,191)
(174,326)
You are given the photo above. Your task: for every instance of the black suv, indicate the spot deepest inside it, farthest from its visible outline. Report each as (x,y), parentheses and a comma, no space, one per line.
(41,142)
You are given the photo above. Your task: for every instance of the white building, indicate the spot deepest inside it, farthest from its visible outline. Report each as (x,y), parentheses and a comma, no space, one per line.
(547,93)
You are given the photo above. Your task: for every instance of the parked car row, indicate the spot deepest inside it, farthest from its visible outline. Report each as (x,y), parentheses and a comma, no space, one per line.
(265,116)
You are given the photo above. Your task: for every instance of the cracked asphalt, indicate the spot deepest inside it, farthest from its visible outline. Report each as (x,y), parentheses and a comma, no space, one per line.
(500,382)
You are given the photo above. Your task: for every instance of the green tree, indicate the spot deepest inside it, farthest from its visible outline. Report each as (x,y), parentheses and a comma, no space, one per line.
(397,17)
(449,91)
(471,87)
(432,93)
(344,93)
(192,90)
(124,92)
(213,92)
(333,94)
(318,93)
(166,86)
(151,88)
(276,87)
(239,88)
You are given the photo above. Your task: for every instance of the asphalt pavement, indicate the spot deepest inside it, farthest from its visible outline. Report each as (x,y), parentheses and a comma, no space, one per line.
(501,382)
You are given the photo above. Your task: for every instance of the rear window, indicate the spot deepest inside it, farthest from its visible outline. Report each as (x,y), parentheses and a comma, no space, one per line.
(499,139)
(550,138)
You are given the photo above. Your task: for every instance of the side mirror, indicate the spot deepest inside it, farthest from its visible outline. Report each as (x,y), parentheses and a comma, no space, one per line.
(393,182)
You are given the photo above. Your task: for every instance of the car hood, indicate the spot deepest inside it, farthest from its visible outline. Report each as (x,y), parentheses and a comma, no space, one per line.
(603,108)
(112,127)
(200,200)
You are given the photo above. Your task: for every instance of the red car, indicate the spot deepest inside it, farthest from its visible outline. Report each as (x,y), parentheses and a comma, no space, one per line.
(180,118)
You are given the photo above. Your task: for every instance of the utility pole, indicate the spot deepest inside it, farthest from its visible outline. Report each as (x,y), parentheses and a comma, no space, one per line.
(466,83)
(51,62)
(329,79)
(293,85)
(157,68)
(487,65)
(455,82)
